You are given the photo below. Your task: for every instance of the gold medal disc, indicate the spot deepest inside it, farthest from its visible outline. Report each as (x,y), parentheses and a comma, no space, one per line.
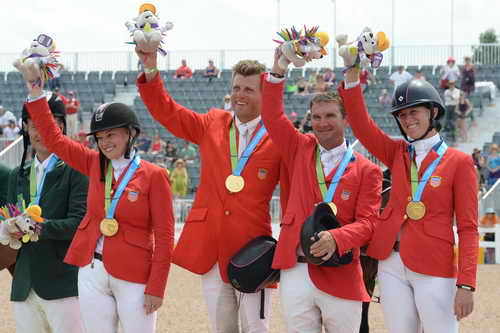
(415,210)
(333,207)
(109,227)
(235,183)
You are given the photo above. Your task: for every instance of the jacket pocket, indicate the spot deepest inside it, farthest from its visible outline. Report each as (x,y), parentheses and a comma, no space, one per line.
(197,215)
(386,213)
(138,238)
(84,223)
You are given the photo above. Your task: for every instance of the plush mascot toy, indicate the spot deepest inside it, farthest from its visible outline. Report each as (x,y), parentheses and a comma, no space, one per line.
(38,63)
(300,47)
(146,31)
(28,223)
(366,50)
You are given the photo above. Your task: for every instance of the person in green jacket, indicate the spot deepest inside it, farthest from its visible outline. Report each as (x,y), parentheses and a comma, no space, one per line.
(44,288)
(4,176)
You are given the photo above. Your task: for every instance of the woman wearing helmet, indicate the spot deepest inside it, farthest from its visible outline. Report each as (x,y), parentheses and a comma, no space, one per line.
(420,284)
(123,244)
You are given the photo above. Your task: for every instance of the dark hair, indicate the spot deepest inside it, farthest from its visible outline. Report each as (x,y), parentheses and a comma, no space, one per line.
(248,68)
(328,97)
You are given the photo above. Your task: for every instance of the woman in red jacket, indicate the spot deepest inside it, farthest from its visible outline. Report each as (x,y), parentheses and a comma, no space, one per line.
(123,244)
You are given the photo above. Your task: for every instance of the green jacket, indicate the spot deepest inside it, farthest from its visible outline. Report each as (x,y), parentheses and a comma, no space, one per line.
(4,181)
(40,264)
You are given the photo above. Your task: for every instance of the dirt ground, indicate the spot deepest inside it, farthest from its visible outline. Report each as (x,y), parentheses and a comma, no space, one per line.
(184,309)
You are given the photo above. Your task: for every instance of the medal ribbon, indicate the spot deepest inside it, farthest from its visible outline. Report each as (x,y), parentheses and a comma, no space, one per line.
(238,165)
(110,205)
(418,186)
(328,195)
(36,189)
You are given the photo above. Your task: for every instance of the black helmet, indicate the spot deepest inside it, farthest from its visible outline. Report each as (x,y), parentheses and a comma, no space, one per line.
(250,269)
(415,93)
(323,219)
(56,106)
(113,115)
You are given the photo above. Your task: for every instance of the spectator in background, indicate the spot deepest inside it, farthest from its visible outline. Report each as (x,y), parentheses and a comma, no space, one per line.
(468,76)
(183,72)
(179,178)
(83,139)
(450,72)
(11,132)
(302,87)
(143,143)
(158,145)
(451,98)
(399,77)
(187,152)
(463,111)
(366,79)
(55,82)
(72,109)
(385,99)
(329,77)
(227,103)
(211,71)
(57,91)
(171,151)
(419,76)
(479,162)
(489,220)
(321,86)
(291,88)
(493,165)
(306,126)
(5,117)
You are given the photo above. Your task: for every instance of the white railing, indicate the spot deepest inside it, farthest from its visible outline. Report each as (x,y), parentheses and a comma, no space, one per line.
(11,155)
(225,59)
(484,244)
(490,199)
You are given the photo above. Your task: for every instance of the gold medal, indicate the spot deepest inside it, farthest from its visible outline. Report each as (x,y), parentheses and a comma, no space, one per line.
(333,207)
(109,227)
(415,210)
(235,183)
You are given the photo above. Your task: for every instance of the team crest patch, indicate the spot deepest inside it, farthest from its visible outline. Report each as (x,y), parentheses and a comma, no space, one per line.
(262,174)
(132,196)
(435,181)
(345,195)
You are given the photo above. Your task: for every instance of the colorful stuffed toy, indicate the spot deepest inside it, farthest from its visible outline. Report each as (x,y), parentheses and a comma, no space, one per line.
(146,31)
(298,47)
(38,63)
(12,221)
(364,51)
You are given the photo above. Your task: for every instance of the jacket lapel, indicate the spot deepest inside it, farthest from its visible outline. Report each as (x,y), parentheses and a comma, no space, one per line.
(429,158)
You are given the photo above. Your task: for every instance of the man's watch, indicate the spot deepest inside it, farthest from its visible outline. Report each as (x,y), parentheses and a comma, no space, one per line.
(277,75)
(150,70)
(463,286)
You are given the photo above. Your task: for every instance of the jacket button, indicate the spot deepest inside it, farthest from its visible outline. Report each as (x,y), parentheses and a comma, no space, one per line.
(405,217)
(227,213)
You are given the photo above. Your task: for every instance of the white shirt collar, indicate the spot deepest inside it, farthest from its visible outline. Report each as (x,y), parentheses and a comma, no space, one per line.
(342,148)
(425,145)
(251,125)
(121,163)
(44,163)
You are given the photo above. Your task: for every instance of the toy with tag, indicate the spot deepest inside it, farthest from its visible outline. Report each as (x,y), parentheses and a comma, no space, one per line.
(38,63)
(15,219)
(146,31)
(366,50)
(299,47)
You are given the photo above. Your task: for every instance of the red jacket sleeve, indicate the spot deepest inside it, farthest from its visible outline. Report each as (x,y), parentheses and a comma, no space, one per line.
(359,232)
(281,130)
(180,121)
(465,203)
(364,128)
(160,201)
(73,153)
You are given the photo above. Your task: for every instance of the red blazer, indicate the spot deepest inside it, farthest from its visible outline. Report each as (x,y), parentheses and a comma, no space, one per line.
(220,223)
(426,245)
(141,250)
(357,197)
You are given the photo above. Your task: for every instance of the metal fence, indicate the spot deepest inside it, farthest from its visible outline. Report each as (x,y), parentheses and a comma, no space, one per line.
(11,156)
(197,59)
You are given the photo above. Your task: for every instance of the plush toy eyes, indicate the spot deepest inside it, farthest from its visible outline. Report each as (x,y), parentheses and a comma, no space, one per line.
(371,35)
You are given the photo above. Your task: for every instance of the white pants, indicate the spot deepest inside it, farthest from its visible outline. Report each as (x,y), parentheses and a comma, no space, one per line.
(37,315)
(306,308)
(224,302)
(105,301)
(72,125)
(411,300)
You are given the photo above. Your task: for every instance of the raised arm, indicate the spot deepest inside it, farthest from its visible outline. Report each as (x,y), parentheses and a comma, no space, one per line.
(371,136)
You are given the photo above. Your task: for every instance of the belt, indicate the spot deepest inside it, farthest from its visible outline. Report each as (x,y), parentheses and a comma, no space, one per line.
(302,259)
(395,247)
(98,256)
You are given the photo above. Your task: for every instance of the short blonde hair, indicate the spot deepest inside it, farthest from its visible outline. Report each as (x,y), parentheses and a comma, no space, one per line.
(494,146)
(248,68)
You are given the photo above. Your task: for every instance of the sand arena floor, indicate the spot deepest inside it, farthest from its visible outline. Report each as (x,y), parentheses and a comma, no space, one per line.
(184,310)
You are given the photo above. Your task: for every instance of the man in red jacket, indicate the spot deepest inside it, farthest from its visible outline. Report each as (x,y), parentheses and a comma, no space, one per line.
(315,296)
(239,172)
(433,188)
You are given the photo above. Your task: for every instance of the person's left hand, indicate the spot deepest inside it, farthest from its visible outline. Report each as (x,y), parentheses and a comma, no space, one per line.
(325,246)
(276,67)
(152,303)
(464,303)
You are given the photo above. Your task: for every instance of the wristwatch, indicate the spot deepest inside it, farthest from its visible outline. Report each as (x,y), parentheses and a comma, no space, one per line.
(150,70)
(463,286)
(278,76)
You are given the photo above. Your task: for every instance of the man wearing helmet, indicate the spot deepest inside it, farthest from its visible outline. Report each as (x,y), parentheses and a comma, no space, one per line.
(431,184)
(44,288)
(123,244)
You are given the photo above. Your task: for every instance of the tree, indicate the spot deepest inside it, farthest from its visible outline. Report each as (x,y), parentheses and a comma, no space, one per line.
(488,52)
